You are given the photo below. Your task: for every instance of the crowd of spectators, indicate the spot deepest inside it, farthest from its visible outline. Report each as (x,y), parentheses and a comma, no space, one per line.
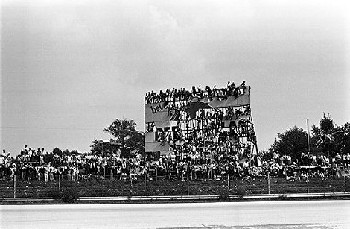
(173,95)
(198,128)
(219,124)
(39,164)
(206,145)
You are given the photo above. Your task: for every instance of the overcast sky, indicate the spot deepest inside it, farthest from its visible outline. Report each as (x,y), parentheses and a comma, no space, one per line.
(69,68)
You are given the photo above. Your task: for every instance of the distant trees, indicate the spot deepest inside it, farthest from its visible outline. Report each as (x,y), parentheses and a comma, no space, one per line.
(327,139)
(331,139)
(125,137)
(292,142)
(96,147)
(122,130)
(57,151)
(50,157)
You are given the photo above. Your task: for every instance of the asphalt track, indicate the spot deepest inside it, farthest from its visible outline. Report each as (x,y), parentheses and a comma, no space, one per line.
(322,214)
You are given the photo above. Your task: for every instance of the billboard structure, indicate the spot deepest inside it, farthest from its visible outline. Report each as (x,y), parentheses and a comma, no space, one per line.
(203,124)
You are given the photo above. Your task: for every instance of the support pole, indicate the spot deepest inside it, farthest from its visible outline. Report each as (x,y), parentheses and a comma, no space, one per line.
(188,186)
(14,185)
(344,183)
(228,180)
(59,182)
(308,136)
(156,173)
(268,183)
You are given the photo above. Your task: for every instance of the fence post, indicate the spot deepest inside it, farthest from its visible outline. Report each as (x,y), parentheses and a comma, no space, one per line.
(268,183)
(14,185)
(130,180)
(156,173)
(188,186)
(59,182)
(228,181)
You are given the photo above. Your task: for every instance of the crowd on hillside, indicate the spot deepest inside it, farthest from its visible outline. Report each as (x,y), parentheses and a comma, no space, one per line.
(37,164)
(198,123)
(172,95)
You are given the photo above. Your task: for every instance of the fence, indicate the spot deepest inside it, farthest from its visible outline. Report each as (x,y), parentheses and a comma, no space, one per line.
(99,186)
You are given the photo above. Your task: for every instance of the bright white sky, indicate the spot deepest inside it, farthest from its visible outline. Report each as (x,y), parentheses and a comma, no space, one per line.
(69,68)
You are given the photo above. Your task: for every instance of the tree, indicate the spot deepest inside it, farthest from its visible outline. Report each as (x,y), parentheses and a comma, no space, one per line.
(346,138)
(136,142)
(104,147)
(121,129)
(326,124)
(57,151)
(96,148)
(323,137)
(328,139)
(292,142)
(66,152)
(266,155)
(316,140)
(74,152)
(340,140)
(125,133)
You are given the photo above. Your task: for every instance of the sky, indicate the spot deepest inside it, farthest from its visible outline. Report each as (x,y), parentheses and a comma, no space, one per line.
(69,68)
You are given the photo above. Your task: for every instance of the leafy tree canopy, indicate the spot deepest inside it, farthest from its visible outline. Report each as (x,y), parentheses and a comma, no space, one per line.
(326,124)
(126,138)
(57,151)
(292,142)
(121,129)
(327,139)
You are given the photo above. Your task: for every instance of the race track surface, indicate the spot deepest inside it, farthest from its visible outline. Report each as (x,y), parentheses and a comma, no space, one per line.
(240,215)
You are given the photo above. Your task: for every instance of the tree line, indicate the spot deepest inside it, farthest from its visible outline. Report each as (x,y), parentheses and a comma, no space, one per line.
(328,139)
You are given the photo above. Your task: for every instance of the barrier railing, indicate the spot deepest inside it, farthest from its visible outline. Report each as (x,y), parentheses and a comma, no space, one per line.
(97,186)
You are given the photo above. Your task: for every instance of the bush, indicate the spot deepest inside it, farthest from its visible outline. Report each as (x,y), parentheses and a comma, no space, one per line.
(70,195)
(55,194)
(224,193)
(283,197)
(241,191)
